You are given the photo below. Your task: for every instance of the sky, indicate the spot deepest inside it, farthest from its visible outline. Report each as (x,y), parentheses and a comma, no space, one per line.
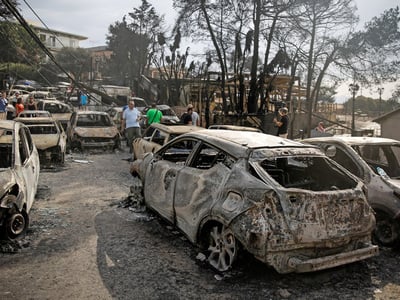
(91,18)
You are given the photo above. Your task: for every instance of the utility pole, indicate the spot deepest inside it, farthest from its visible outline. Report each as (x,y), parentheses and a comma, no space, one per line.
(380,91)
(353,88)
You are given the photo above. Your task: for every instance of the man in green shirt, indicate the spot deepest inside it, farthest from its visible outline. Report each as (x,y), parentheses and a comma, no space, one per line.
(153,115)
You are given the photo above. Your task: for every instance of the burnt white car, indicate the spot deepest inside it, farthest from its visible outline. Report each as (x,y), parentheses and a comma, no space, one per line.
(377,162)
(49,138)
(93,129)
(59,110)
(19,176)
(282,201)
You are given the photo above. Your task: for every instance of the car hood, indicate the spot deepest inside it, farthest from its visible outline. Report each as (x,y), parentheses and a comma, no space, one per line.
(61,116)
(44,141)
(7,179)
(108,132)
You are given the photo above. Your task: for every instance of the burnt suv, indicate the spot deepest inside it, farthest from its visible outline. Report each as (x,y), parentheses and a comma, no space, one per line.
(285,202)
(376,161)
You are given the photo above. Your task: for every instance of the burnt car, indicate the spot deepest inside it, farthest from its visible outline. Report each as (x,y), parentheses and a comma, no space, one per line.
(93,129)
(157,135)
(59,110)
(282,201)
(49,138)
(19,176)
(376,161)
(116,115)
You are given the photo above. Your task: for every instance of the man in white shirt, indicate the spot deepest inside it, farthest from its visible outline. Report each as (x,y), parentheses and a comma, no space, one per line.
(195,116)
(130,123)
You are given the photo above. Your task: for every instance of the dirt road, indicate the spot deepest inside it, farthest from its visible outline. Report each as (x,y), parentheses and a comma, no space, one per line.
(83,245)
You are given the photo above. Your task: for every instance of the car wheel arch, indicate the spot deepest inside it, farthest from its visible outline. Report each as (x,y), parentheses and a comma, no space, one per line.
(386,221)
(220,243)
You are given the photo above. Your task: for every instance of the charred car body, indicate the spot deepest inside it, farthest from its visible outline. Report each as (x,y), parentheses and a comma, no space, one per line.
(93,129)
(59,110)
(376,161)
(19,176)
(49,138)
(282,201)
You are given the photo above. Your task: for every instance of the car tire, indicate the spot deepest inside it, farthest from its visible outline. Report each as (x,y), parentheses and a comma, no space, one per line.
(222,248)
(16,224)
(387,230)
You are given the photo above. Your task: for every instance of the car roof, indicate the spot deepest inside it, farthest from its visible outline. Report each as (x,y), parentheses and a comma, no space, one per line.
(234,127)
(27,111)
(175,129)
(7,124)
(35,120)
(354,140)
(248,139)
(91,112)
(52,101)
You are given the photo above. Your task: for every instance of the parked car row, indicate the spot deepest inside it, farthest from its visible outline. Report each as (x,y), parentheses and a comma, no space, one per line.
(19,176)
(296,206)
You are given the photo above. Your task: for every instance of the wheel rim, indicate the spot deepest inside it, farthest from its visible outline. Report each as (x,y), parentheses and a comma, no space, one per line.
(386,231)
(222,248)
(16,224)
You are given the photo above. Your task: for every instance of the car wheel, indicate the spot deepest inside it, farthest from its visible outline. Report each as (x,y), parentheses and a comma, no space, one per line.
(16,224)
(222,247)
(386,232)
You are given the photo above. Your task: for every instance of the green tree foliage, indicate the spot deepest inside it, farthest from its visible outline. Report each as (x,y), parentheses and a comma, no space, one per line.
(16,45)
(4,12)
(371,106)
(374,52)
(132,41)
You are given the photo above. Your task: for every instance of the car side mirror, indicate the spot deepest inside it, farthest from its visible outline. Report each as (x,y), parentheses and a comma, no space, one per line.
(330,151)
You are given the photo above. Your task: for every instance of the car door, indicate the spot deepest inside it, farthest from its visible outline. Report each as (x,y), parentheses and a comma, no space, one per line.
(161,174)
(198,187)
(29,164)
(151,141)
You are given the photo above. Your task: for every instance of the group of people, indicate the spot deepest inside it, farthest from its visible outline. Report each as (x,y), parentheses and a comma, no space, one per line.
(190,117)
(131,118)
(9,112)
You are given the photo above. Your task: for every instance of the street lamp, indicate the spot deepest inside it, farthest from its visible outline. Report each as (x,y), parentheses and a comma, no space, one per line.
(380,91)
(353,88)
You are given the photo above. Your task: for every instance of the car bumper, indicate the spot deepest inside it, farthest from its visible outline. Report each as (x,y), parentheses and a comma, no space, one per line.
(311,265)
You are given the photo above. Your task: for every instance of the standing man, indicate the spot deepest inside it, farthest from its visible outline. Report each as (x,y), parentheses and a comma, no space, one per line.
(130,123)
(195,116)
(3,106)
(153,115)
(283,123)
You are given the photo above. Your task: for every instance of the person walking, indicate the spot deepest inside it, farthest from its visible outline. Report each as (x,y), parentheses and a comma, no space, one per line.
(3,106)
(283,123)
(130,123)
